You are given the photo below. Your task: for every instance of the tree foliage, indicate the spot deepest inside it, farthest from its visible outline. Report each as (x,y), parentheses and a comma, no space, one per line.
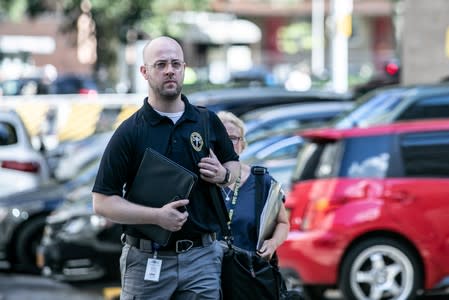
(116,21)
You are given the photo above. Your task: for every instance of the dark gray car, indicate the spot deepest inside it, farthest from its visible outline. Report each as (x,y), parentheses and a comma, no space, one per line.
(23,216)
(241,100)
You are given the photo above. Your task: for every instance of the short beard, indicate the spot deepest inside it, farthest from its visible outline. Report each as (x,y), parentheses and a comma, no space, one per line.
(168,95)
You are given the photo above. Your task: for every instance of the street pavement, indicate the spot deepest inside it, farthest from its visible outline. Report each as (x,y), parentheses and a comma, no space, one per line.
(32,287)
(20,287)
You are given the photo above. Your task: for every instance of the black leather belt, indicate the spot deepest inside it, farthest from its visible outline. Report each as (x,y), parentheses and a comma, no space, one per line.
(175,247)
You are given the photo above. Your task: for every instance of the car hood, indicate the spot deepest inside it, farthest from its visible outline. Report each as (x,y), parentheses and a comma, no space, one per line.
(49,192)
(71,209)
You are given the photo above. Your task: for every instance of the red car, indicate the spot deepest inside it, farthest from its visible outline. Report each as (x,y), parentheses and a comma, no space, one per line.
(369,211)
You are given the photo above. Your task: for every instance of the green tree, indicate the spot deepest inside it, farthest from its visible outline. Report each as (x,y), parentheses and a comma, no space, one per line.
(116,21)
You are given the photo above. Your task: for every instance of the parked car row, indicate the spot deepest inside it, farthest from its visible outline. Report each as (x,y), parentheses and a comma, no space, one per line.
(97,241)
(64,84)
(78,245)
(366,197)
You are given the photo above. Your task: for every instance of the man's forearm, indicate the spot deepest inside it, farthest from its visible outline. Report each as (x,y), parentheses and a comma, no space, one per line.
(120,210)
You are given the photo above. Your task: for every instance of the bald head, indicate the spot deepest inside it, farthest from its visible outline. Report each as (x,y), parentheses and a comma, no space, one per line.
(162,48)
(163,69)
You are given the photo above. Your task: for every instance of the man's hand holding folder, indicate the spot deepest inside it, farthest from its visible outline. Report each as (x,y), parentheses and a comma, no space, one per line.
(173,215)
(163,184)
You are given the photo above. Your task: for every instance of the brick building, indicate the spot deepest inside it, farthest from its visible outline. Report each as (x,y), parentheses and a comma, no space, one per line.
(38,42)
(373,37)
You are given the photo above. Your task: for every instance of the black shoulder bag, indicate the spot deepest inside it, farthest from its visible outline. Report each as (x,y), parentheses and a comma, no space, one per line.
(245,275)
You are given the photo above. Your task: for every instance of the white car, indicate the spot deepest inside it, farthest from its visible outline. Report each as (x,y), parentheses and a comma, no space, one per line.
(21,166)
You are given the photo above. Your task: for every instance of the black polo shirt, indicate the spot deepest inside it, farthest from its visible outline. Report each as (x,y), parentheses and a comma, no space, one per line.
(147,128)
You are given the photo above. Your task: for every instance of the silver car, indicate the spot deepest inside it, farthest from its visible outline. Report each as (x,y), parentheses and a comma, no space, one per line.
(21,166)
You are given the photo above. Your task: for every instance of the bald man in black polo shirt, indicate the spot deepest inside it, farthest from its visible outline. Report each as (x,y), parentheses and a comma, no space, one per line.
(169,124)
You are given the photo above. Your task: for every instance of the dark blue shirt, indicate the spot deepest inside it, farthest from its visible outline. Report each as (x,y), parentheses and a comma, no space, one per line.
(243,223)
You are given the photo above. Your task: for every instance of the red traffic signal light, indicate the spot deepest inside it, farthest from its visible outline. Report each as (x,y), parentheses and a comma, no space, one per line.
(392,69)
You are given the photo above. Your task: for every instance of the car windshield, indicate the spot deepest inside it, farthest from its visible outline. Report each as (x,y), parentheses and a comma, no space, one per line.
(307,161)
(8,134)
(370,108)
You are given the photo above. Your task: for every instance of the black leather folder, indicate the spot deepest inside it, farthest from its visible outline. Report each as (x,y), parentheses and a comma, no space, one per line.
(159,181)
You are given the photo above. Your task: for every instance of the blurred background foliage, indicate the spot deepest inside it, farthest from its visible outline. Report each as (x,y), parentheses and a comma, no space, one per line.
(115,21)
(296,37)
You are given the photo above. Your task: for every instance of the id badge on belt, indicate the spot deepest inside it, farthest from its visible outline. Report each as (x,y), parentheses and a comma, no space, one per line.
(153,270)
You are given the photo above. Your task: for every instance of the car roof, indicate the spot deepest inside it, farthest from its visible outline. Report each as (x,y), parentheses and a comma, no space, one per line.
(296,109)
(294,139)
(412,89)
(260,144)
(393,128)
(245,94)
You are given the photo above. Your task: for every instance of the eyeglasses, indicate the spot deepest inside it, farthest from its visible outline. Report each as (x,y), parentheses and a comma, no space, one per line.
(161,65)
(235,139)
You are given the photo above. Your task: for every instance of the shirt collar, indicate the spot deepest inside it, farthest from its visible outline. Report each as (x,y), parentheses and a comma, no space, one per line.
(190,113)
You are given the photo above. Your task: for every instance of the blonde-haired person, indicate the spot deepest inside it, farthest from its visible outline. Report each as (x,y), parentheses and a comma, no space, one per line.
(241,196)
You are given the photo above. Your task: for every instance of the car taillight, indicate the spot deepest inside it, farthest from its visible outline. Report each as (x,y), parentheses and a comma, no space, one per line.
(317,212)
(296,203)
(30,166)
(294,218)
(87,92)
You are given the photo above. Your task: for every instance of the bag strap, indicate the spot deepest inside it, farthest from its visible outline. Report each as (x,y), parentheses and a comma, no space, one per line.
(259,172)
(219,205)
(205,119)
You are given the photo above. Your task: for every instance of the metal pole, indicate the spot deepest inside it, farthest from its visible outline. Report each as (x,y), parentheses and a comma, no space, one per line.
(341,12)
(318,37)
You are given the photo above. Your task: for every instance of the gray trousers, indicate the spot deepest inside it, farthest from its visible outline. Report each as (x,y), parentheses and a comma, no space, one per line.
(193,275)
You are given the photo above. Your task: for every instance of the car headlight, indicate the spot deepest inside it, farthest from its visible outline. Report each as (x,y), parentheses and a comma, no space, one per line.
(76,225)
(90,223)
(98,222)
